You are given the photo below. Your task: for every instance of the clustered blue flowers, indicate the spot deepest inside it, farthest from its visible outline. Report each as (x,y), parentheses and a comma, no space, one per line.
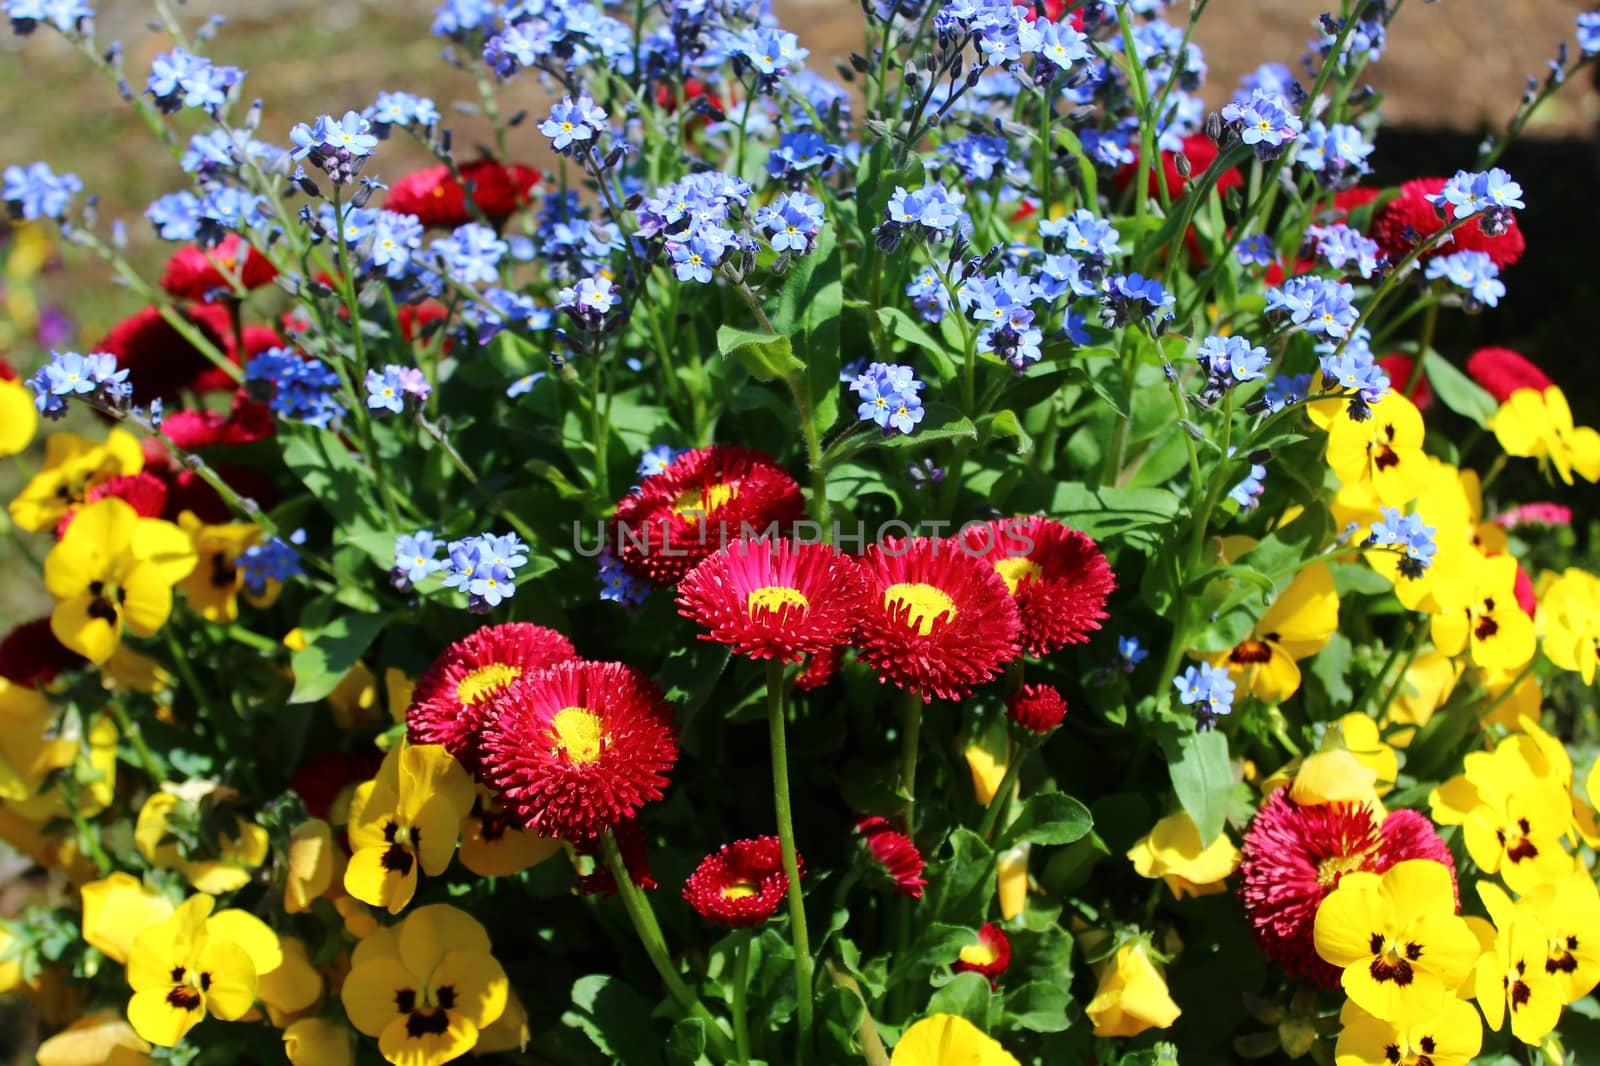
(272,562)
(69,374)
(1408,535)
(1209,690)
(1474,273)
(1230,361)
(483,566)
(296,388)
(1491,196)
(179,79)
(1317,305)
(338,147)
(35,191)
(389,389)
(889,397)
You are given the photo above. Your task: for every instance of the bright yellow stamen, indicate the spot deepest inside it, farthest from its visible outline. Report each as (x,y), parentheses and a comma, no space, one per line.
(486,681)
(706,500)
(738,890)
(580,735)
(928,603)
(774,598)
(1016,567)
(1336,866)
(980,954)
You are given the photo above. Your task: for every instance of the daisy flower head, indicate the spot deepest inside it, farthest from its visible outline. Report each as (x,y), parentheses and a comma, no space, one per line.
(774,599)
(1058,576)
(454,697)
(741,884)
(936,619)
(1038,709)
(579,748)
(704,499)
(894,853)
(989,956)
(1295,854)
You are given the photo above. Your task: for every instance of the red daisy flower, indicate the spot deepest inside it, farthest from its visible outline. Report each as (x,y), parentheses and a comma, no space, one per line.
(1502,371)
(1411,210)
(599,881)
(144,492)
(453,698)
(194,274)
(895,853)
(414,320)
(704,499)
(1058,575)
(743,884)
(1347,200)
(435,198)
(774,599)
(1399,367)
(1199,150)
(31,655)
(320,781)
(989,956)
(1293,856)
(819,669)
(188,491)
(1037,708)
(161,362)
(579,747)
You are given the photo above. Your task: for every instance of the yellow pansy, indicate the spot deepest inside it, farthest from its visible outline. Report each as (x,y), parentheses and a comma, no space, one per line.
(407,817)
(103,1038)
(237,854)
(1569,621)
(1173,852)
(1011,875)
(1299,624)
(1361,738)
(18,418)
(1396,939)
(1132,994)
(948,1040)
(1336,776)
(116,909)
(1383,452)
(212,588)
(397,689)
(358,920)
(493,845)
(1449,1038)
(1513,814)
(1568,910)
(195,964)
(1427,683)
(425,988)
(1538,425)
(293,986)
(318,1042)
(310,866)
(1489,621)
(1511,978)
(29,747)
(72,466)
(113,569)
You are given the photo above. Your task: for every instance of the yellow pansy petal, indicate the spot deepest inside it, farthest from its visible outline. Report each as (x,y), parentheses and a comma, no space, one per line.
(1348,917)
(116,909)
(987,772)
(83,624)
(103,1038)
(509,1032)
(509,851)
(400,1047)
(948,1038)
(437,820)
(478,982)
(159,1021)
(431,932)
(232,988)
(427,772)
(370,991)
(293,986)
(146,601)
(371,880)
(311,851)
(19,419)
(318,1042)
(253,936)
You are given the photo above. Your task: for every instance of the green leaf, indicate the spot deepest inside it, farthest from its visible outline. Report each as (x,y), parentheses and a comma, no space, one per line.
(941,422)
(1038,1006)
(328,470)
(768,356)
(968,995)
(959,887)
(615,1017)
(1006,424)
(330,653)
(1141,517)
(686,1044)
(1047,818)
(1202,778)
(839,1013)
(937,945)
(1457,391)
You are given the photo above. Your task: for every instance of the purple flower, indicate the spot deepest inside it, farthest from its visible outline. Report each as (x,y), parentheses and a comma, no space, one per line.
(1229,361)
(1316,305)
(1589,32)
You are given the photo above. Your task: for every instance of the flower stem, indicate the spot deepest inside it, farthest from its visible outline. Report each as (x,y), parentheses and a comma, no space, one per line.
(791,863)
(911,730)
(135,737)
(1002,795)
(741,980)
(649,932)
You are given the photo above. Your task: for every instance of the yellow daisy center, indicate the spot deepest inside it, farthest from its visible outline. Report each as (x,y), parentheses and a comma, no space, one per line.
(980,954)
(1336,866)
(928,603)
(580,735)
(775,598)
(486,681)
(738,890)
(707,499)
(1015,568)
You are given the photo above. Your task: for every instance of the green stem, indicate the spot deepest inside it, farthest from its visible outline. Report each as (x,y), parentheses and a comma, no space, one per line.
(741,981)
(911,733)
(804,993)
(131,732)
(1002,795)
(655,946)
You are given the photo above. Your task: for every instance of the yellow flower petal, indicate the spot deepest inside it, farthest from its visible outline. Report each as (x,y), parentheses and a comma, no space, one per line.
(19,419)
(318,1042)
(116,909)
(948,1040)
